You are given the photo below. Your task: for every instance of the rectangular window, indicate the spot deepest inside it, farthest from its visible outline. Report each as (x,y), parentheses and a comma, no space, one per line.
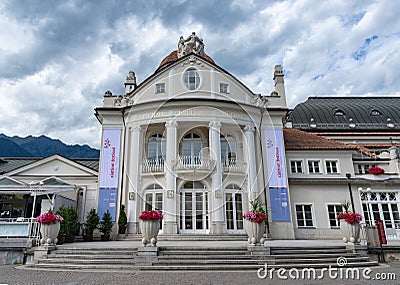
(296,166)
(223,88)
(313,166)
(304,216)
(160,88)
(331,166)
(333,212)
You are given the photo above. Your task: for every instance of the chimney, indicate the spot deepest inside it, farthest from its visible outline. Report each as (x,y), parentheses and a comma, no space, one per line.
(130,82)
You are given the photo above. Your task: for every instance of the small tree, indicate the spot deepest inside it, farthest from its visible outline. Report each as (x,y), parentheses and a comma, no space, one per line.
(106,225)
(122,220)
(71,225)
(91,223)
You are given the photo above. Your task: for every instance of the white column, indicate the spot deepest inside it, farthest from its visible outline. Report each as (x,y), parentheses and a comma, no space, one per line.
(217,207)
(250,158)
(170,211)
(133,179)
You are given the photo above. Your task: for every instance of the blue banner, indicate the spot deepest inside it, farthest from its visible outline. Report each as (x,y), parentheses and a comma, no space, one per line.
(108,201)
(279,200)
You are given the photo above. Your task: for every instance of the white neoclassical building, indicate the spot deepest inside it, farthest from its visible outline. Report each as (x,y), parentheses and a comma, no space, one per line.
(195,142)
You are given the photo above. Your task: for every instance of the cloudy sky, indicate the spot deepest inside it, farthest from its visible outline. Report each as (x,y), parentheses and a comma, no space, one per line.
(57,58)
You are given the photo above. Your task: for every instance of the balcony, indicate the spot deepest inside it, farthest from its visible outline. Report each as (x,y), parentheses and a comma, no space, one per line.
(234,166)
(152,165)
(193,163)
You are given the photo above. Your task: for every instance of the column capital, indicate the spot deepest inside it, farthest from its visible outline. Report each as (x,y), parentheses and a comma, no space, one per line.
(171,124)
(249,128)
(136,128)
(214,125)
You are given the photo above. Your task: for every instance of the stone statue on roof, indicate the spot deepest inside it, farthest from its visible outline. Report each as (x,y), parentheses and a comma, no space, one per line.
(193,44)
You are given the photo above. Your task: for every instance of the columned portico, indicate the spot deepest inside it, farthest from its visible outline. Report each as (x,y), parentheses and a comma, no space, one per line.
(250,159)
(217,209)
(133,178)
(170,224)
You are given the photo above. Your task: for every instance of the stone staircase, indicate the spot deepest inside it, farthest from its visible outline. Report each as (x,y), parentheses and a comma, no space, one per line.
(199,258)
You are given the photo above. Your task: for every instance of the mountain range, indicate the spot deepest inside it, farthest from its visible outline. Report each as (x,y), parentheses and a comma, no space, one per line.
(42,147)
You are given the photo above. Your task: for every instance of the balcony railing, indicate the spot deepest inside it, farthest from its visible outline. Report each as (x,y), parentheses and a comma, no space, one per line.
(153,165)
(233,165)
(187,162)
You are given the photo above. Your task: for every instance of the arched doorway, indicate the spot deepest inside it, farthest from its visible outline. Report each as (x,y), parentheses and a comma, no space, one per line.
(194,216)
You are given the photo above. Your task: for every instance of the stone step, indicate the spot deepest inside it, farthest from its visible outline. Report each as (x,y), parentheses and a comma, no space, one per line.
(202,267)
(91,256)
(307,251)
(183,237)
(95,252)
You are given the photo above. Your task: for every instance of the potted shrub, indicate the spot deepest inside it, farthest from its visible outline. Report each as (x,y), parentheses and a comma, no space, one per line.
(71,225)
(49,227)
(91,223)
(122,220)
(106,226)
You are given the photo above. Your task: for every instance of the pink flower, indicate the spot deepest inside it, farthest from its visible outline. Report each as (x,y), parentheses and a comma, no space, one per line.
(375,170)
(256,217)
(350,218)
(49,218)
(151,215)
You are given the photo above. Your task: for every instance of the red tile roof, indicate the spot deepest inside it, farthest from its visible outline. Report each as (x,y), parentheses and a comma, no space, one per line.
(173,56)
(300,140)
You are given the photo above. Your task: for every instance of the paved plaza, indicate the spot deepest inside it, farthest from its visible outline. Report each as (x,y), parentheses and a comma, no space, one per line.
(13,274)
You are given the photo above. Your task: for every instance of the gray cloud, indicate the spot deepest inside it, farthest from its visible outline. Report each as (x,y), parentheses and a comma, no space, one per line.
(58,57)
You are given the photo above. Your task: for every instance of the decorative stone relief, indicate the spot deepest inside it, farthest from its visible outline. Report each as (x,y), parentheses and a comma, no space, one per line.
(259,101)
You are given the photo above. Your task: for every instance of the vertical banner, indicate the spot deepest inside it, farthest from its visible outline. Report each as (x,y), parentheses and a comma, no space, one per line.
(276,166)
(109,172)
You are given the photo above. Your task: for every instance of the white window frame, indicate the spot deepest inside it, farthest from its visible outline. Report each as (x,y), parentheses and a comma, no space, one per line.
(186,82)
(319,163)
(296,160)
(336,214)
(312,215)
(222,89)
(160,88)
(337,166)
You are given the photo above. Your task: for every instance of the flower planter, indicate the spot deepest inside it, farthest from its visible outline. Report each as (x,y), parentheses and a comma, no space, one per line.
(60,239)
(69,238)
(49,233)
(149,229)
(105,237)
(121,230)
(350,232)
(255,232)
(88,237)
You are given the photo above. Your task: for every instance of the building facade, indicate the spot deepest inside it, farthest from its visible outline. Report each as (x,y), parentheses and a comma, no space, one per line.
(190,140)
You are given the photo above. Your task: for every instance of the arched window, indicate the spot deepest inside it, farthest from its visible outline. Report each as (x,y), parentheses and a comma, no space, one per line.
(339,113)
(191,146)
(375,113)
(228,150)
(156,147)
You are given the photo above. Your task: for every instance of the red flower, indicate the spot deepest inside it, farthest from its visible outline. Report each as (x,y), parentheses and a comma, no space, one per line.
(350,218)
(49,218)
(151,215)
(375,170)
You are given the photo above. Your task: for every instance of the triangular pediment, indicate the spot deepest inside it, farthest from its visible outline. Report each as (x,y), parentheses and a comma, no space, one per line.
(55,165)
(10,181)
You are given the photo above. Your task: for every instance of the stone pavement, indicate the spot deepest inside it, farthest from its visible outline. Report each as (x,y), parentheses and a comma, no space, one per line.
(10,274)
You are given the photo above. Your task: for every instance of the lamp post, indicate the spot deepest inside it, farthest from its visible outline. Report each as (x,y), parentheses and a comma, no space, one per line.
(34,189)
(348,176)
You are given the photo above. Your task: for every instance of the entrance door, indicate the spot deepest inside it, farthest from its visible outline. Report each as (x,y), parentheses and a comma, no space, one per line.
(194,209)
(234,209)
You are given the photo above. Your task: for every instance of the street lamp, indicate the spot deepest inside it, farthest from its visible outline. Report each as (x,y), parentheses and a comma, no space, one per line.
(34,189)
(348,175)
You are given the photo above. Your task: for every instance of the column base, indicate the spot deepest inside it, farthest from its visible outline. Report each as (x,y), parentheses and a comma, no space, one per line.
(170,227)
(218,227)
(281,230)
(133,228)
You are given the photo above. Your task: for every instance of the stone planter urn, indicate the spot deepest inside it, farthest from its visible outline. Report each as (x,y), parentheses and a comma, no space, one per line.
(255,232)
(149,229)
(49,233)
(350,232)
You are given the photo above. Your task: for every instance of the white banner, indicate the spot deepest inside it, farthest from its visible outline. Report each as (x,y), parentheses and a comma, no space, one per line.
(110,158)
(275,158)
